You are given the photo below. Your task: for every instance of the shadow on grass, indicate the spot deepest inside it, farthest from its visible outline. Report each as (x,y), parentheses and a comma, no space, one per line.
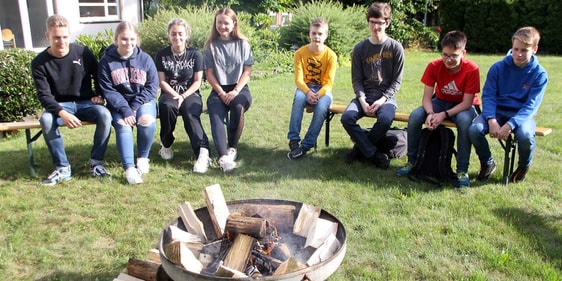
(539,229)
(325,164)
(70,276)
(255,165)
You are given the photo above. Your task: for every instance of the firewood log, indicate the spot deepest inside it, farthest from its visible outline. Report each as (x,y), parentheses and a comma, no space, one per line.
(145,270)
(305,220)
(239,252)
(192,223)
(255,227)
(216,205)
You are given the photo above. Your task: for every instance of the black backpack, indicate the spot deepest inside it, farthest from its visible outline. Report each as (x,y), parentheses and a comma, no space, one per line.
(435,152)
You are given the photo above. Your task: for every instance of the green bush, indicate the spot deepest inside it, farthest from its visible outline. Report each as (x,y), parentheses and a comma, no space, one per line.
(152,31)
(346,26)
(489,24)
(97,43)
(17,90)
(268,59)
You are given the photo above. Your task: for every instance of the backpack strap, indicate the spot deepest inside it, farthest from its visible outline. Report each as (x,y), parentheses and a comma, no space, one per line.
(425,136)
(447,145)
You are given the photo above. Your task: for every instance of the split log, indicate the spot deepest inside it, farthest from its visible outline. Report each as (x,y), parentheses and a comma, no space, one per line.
(288,266)
(305,220)
(239,252)
(154,255)
(255,227)
(192,223)
(216,205)
(144,270)
(178,253)
(174,233)
(281,216)
(320,231)
(325,251)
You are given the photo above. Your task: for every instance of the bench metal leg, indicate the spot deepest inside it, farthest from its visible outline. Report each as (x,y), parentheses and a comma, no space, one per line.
(509,148)
(328,120)
(30,140)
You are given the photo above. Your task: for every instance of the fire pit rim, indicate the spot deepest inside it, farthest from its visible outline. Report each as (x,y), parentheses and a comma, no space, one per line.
(339,254)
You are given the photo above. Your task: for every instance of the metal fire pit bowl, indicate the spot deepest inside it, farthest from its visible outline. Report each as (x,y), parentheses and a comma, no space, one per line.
(320,271)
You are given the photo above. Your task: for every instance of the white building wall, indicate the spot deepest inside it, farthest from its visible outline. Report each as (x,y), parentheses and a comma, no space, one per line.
(28,23)
(130,10)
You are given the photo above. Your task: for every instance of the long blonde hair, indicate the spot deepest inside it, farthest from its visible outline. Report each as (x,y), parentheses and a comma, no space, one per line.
(236,34)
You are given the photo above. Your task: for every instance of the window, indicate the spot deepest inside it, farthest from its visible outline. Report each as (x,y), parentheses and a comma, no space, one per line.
(98,10)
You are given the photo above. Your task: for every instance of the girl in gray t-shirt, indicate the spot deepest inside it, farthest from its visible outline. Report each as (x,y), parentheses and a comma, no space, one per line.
(228,63)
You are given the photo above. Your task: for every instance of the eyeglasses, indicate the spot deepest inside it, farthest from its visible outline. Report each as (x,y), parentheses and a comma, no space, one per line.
(452,57)
(372,22)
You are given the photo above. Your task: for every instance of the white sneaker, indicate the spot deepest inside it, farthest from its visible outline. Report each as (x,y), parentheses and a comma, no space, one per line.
(143,165)
(202,164)
(166,152)
(232,153)
(133,176)
(226,164)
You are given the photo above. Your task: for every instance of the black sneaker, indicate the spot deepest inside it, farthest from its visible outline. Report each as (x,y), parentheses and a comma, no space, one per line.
(381,160)
(518,175)
(296,150)
(293,144)
(486,171)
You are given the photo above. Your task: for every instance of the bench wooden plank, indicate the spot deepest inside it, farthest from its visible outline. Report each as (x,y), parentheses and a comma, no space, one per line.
(34,124)
(27,126)
(509,146)
(541,132)
(403,117)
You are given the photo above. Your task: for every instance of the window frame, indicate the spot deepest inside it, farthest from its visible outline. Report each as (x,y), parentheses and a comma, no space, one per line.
(106,5)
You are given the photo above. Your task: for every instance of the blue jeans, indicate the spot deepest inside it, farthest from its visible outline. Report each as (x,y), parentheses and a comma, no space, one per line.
(366,142)
(85,111)
(463,120)
(146,128)
(318,117)
(524,135)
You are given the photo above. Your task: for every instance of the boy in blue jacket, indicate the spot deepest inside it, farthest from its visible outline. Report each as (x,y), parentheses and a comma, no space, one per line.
(511,97)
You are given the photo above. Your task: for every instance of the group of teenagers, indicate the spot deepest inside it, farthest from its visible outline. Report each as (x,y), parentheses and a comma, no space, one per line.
(126,82)
(125,94)
(511,96)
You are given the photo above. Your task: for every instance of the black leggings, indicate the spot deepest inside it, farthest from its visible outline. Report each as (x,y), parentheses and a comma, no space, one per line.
(190,110)
(218,113)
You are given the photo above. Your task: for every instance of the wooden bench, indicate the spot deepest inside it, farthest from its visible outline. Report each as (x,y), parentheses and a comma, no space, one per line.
(509,146)
(29,139)
(34,124)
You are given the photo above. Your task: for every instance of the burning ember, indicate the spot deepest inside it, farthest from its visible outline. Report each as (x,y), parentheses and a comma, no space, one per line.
(265,239)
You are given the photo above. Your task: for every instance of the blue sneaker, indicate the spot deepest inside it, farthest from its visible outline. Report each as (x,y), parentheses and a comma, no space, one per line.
(463,181)
(58,175)
(405,170)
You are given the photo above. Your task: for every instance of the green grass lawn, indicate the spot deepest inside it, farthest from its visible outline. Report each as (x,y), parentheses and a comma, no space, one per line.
(87,229)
